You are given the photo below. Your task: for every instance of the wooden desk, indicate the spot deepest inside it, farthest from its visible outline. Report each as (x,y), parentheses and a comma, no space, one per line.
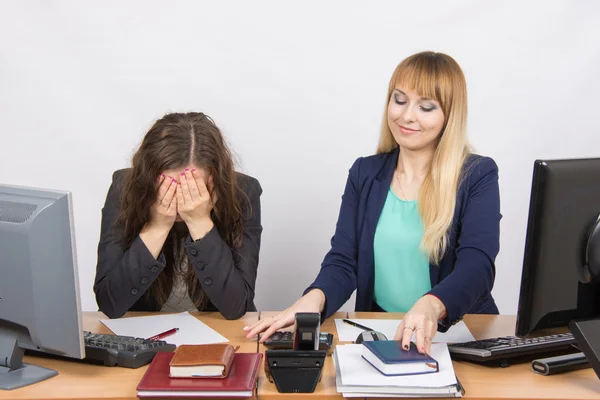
(516,381)
(77,380)
(84,381)
(325,389)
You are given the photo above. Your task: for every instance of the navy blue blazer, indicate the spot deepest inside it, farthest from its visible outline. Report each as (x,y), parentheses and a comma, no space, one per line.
(465,276)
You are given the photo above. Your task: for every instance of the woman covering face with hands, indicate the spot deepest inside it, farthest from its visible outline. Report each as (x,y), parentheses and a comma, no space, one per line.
(180,229)
(185,200)
(418,229)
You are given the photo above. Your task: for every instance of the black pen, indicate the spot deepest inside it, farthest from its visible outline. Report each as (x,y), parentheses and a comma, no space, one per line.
(366,328)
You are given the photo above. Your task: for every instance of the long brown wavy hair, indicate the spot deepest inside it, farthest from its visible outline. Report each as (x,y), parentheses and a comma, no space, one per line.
(175,141)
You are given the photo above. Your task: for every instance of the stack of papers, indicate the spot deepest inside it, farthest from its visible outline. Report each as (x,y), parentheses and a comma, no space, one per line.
(355,377)
(191,329)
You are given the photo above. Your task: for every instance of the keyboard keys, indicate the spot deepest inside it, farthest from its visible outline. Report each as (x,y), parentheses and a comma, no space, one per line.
(124,351)
(510,346)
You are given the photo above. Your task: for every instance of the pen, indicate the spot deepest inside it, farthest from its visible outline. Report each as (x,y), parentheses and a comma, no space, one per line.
(366,328)
(164,334)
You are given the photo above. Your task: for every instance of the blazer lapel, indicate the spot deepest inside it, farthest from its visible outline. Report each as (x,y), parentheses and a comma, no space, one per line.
(378,193)
(376,200)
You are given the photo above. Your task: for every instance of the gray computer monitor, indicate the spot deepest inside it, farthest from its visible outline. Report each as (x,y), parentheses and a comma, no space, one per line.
(39,285)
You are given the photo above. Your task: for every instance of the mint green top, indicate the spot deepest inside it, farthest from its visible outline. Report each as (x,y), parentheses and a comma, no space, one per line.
(401,268)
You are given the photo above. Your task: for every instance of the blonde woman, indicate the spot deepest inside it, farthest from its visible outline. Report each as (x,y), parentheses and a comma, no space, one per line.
(419,225)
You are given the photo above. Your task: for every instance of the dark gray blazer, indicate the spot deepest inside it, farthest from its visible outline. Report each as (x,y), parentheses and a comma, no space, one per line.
(227,277)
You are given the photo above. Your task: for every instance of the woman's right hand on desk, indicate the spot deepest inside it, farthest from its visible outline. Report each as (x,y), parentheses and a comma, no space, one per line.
(313,301)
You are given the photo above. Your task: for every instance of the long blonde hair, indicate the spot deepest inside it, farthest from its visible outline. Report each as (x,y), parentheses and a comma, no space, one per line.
(436,76)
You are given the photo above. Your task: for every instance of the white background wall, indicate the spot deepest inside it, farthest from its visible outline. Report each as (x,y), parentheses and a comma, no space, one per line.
(298,89)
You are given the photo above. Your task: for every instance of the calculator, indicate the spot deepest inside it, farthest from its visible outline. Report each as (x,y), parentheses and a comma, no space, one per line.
(285,340)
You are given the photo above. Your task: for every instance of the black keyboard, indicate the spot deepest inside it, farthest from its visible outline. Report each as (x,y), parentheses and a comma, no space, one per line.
(123,351)
(509,347)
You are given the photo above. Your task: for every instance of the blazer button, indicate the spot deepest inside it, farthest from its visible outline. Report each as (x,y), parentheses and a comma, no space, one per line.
(194,252)
(144,280)
(134,291)
(154,269)
(201,267)
(208,281)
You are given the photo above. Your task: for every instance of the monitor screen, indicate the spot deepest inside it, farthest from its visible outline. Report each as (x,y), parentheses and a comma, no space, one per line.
(564,205)
(39,289)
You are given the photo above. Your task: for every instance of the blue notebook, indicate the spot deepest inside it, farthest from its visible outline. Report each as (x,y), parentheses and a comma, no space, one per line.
(389,358)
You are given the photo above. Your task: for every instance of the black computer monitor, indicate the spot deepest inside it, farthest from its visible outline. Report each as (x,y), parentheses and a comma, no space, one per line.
(564,206)
(39,289)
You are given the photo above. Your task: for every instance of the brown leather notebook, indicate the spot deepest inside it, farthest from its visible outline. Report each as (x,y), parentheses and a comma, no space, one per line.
(202,361)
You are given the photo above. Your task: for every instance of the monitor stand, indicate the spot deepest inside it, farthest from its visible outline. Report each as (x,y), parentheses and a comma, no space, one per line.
(14,373)
(587,334)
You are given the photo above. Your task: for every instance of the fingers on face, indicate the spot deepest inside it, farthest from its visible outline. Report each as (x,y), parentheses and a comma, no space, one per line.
(200,186)
(183,188)
(163,186)
(170,192)
(173,205)
(192,186)
(179,196)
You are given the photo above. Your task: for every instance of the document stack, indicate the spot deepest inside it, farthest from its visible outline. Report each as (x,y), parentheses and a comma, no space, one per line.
(356,377)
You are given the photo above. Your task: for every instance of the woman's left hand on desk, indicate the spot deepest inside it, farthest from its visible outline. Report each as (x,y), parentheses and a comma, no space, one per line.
(422,319)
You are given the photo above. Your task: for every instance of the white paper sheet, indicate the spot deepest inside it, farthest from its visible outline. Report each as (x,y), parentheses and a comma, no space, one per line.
(458,333)
(191,329)
(356,371)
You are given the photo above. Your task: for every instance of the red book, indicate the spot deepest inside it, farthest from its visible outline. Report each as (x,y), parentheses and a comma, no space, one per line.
(239,382)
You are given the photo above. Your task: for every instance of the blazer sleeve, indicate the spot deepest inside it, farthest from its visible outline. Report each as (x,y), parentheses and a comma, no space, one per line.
(122,275)
(228,276)
(338,274)
(478,244)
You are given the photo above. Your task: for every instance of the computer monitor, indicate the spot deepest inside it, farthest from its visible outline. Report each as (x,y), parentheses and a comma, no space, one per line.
(39,285)
(564,205)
